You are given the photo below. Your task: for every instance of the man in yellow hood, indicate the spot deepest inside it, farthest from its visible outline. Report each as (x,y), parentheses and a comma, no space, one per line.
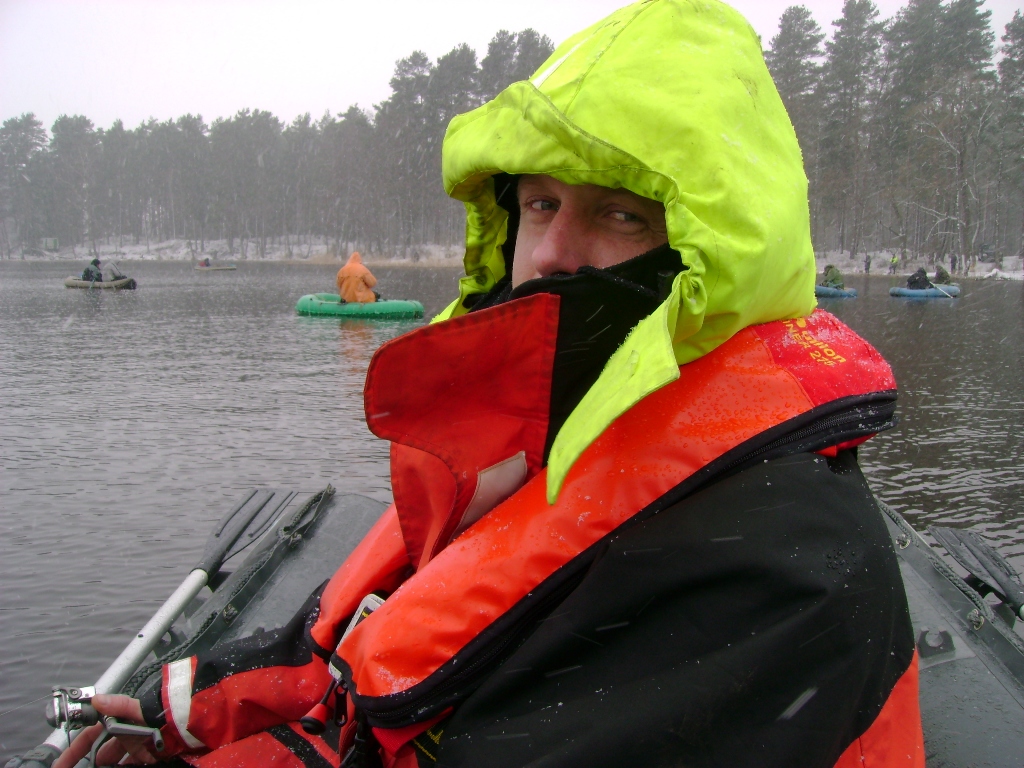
(629,525)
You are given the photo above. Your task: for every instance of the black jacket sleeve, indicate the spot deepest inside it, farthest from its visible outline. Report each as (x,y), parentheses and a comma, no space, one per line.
(760,622)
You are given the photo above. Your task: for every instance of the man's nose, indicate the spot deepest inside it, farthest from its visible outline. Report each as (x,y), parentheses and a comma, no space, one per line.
(563,247)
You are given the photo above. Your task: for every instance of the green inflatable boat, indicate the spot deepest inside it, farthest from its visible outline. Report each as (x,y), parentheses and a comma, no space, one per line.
(331,305)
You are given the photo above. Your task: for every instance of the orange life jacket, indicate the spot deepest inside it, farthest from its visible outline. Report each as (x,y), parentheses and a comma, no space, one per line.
(472,513)
(471,551)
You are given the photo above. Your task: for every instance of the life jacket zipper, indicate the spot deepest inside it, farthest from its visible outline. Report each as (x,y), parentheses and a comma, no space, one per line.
(869,418)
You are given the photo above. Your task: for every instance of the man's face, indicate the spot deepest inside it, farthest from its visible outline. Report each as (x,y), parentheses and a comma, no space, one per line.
(563,227)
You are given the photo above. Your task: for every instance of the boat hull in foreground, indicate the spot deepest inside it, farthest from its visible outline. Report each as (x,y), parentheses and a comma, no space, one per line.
(971,660)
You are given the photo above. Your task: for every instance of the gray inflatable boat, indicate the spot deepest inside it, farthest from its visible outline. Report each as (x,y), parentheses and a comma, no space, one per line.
(275,547)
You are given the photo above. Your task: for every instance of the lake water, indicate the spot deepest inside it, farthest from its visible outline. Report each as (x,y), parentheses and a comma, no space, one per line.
(130,422)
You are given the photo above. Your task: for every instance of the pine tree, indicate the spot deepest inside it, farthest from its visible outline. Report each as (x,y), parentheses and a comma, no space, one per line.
(497,69)
(961,116)
(532,49)
(848,81)
(793,61)
(1011,122)
(73,149)
(22,139)
(510,58)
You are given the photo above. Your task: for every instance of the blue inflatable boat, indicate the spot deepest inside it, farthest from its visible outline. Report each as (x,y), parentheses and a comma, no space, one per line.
(936,292)
(825,292)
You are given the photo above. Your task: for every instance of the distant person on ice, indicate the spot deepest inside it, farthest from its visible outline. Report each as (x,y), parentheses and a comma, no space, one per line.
(93,273)
(355,281)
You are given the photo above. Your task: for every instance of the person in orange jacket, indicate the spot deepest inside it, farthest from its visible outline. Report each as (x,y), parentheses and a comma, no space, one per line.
(355,281)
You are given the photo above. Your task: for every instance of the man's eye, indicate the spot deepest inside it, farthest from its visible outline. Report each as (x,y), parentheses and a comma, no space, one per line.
(541,205)
(625,216)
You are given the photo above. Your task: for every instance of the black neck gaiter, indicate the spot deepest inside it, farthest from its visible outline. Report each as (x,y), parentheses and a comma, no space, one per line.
(598,309)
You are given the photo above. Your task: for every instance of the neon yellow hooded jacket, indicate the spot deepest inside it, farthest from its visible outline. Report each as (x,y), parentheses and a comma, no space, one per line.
(670,99)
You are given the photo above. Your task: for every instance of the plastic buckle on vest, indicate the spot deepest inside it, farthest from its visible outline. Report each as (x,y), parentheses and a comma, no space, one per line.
(315,721)
(365,751)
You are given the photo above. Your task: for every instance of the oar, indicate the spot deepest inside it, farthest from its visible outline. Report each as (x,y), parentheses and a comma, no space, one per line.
(231,528)
(948,295)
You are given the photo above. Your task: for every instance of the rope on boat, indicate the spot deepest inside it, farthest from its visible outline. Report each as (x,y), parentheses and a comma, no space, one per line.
(984,609)
(143,673)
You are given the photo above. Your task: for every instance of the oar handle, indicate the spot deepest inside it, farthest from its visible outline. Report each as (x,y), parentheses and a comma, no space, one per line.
(231,526)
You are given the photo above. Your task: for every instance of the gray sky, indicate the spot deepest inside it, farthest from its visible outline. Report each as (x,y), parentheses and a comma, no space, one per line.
(135,59)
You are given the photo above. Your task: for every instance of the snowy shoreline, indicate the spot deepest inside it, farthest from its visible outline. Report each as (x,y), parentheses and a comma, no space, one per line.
(432,255)
(317,252)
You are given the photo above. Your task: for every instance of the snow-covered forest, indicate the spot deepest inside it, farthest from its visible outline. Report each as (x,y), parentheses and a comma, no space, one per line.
(912,134)
(912,130)
(369,181)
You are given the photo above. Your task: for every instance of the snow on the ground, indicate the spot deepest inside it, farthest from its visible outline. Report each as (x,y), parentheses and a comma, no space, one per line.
(318,251)
(1011,269)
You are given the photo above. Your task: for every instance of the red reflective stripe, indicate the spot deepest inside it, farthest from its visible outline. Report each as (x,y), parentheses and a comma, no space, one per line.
(895,738)
(720,401)
(379,562)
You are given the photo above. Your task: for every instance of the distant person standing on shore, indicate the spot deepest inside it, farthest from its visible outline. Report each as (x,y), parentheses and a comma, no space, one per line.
(894,264)
(93,273)
(355,281)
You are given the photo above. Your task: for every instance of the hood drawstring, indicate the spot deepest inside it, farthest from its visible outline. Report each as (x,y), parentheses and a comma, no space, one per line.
(314,722)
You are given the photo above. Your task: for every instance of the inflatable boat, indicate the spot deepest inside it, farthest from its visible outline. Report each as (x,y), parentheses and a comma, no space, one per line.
(122,283)
(214,268)
(274,547)
(331,305)
(936,292)
(827,292)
